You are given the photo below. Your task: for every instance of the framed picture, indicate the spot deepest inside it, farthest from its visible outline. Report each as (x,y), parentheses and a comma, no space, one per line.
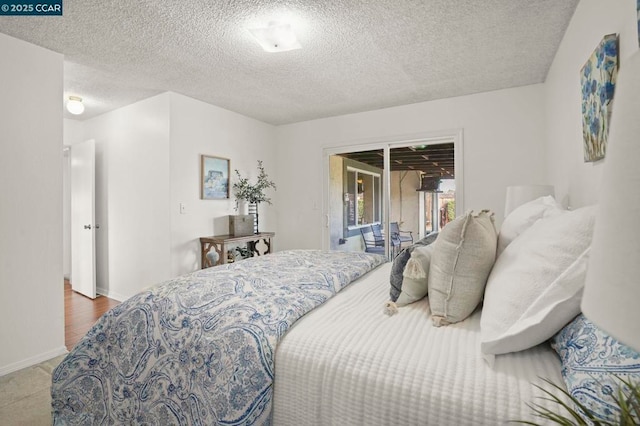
(214,178)
(598,80)
(638,8)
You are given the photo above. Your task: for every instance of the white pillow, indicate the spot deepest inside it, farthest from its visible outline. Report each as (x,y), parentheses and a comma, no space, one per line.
(536,284)
(461,261)
(416,272)
(522,217)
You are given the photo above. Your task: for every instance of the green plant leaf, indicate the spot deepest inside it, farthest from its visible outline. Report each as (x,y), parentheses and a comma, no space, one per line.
(627,399)
(255,194)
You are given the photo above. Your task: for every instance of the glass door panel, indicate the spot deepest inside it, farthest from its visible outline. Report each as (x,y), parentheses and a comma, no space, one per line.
(422,188)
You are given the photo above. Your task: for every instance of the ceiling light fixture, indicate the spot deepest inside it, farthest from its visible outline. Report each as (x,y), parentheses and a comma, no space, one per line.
(75,105)
(276,37)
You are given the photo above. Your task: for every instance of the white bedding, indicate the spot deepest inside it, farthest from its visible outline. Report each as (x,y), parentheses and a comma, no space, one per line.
(346,363)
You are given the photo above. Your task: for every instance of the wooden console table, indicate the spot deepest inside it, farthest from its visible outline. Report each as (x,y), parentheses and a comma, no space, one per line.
(220,243)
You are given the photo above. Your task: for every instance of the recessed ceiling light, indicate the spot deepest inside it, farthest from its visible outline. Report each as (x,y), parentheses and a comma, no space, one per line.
(276,37)
(75,105)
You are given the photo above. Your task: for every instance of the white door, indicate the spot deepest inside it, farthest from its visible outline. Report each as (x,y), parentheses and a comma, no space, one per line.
(83,226)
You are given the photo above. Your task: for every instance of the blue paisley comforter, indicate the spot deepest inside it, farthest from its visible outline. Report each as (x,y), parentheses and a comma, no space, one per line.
(198,349)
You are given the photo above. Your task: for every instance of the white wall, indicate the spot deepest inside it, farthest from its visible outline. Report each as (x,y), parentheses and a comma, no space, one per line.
(577,182)
(132,196)
(503,145)
(199,128)
(31,280)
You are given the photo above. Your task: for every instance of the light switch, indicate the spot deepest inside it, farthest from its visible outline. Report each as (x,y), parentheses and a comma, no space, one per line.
(183,208)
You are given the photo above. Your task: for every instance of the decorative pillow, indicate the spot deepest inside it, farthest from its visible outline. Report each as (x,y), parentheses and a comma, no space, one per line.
(416,272)
(591,360)
(462,258)
(536,284)
(397,268)
(521,218)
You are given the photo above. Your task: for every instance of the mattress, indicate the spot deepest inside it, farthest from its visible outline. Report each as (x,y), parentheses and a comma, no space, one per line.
(347,363)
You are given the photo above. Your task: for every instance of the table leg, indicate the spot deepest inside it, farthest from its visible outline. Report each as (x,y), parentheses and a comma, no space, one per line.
(206,248)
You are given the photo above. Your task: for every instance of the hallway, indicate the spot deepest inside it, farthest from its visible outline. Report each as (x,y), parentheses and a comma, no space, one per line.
(80,313)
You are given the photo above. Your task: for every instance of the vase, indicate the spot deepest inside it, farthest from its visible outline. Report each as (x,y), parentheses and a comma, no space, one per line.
(243,207)
(253,209)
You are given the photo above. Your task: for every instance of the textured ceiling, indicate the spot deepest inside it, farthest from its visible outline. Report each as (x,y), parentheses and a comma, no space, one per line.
(356,55)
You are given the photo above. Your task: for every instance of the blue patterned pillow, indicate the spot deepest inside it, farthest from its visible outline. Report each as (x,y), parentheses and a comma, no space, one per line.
(591,361)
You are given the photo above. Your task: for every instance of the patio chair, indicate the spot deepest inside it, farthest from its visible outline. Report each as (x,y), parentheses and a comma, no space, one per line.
(376,230)
(399,235)
(372,243)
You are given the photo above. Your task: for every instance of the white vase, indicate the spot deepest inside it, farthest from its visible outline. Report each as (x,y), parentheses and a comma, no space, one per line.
(253,209)
(243,207)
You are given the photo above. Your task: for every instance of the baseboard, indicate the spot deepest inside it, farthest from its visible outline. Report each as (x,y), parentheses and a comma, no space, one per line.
(111,295)
(45,356)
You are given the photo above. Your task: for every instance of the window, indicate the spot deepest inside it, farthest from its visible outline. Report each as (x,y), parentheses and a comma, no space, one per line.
(363,197)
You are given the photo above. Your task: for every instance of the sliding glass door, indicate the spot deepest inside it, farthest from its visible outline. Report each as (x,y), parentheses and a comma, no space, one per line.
(376,196)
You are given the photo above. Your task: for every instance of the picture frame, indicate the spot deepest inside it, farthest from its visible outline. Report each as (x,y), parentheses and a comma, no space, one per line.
(598,79)
(214,177)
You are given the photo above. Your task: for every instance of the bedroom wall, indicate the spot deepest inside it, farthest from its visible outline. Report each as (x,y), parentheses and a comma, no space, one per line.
(132,196)
(577,183)
(503,145)
(31,280)
(200,128)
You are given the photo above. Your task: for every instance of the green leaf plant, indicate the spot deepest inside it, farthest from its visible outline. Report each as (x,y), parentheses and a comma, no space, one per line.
(627,398)
(253,193)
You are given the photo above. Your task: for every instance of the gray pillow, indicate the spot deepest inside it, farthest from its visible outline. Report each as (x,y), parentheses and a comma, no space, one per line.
(414,283)
(399,263)
(462,258)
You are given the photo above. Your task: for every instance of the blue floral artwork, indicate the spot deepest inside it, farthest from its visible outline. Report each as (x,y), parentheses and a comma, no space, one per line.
(638,7)
(598,79)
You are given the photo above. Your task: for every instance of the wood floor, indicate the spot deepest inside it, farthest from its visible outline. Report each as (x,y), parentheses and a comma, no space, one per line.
(80,313)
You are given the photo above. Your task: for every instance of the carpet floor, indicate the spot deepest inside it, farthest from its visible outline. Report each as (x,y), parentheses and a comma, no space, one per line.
(25,395)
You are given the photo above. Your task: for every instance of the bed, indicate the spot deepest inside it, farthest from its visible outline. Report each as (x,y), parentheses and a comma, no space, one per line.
(203,349)
(198,349)
(345,366)
(498,344)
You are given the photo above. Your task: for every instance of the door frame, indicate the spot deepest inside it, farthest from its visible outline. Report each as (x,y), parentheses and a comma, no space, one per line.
(386,144)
